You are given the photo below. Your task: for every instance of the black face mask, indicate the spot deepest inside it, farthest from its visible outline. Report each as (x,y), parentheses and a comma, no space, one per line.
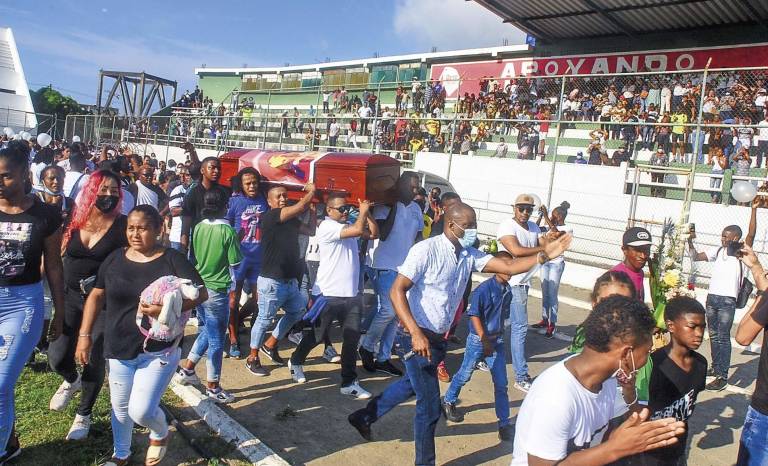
(106,203)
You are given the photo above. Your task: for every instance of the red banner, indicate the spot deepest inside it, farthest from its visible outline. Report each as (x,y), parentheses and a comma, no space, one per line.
(672,60)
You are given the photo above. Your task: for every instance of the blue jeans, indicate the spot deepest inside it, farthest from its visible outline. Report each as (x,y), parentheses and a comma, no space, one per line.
(753,447)
(421,380)
(384,324)
(177,246)
(273,295)
(551,272)
(21,323)
(135,388)
(212,317)
(720,311)
(518,317)
(473,353)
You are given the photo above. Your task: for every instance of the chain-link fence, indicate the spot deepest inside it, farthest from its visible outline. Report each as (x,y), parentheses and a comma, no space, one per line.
(34,123)
(676,139)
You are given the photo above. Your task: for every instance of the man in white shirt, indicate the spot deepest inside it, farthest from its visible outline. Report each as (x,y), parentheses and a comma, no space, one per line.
(333,133)
(570,403)
(762,141)
(364,113)
(428,288)
(400,227)
(75,178)
(336,290)
(501,149)
(521,238)
(145,192)
(724,286)
(175,201)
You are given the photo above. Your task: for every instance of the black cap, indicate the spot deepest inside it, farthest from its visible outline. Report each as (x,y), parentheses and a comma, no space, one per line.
(636,236)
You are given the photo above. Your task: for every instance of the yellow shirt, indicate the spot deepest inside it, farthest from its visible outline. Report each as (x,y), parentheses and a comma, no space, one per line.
(679,118)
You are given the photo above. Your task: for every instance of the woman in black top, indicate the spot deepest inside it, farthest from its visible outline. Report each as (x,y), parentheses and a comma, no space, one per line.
(30,233)
(139,373)
(95,230)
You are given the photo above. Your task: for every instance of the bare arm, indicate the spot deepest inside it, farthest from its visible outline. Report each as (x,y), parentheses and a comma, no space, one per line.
(750,239)
(287,213)
(175,211)
(372,232)
(186,223)
(512,245)
(403,310)
(91,310)
(54,272)
(357,229)
(520,265)
(695,255)
(749,328)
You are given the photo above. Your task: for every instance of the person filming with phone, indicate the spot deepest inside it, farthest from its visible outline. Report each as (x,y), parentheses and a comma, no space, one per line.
(727,291)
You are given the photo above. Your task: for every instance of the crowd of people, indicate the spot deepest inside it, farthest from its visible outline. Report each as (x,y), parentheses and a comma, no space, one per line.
(84,234)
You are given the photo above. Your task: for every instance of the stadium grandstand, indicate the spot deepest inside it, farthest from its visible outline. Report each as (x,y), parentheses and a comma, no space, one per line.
(16,111)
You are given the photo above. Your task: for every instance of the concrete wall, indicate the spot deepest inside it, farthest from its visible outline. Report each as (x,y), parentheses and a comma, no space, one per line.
(599,207)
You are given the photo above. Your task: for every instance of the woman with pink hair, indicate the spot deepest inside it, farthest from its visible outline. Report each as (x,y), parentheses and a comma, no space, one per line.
(96,229)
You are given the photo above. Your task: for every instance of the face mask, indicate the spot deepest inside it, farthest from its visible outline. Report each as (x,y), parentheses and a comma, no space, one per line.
(52,193)
(621,375)
(106,203)
(469,238)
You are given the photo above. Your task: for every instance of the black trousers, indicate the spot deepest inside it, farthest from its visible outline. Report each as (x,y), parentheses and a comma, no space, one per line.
(61,352)
(346,311)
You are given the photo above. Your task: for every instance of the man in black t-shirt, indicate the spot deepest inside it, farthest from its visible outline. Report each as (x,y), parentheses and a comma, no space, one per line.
(191,210)
(281,271)
(753,449)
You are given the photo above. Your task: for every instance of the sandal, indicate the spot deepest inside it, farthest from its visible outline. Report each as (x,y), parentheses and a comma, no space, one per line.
(156,450)
(114,461)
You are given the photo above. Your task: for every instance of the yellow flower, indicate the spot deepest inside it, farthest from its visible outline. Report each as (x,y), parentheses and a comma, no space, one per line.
(671,278)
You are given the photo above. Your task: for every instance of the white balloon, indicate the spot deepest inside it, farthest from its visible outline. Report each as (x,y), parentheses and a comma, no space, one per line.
(8,131)
(75,138)
(743,191)
(17,137)
(536,201)
(25,136)
(44,139)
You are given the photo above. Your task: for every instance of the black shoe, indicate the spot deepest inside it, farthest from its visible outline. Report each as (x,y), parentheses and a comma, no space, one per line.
(366,357)
(255,368)
(507,433)
(717,385)
(273,355)
(363,428)
(450,412)
(388,368)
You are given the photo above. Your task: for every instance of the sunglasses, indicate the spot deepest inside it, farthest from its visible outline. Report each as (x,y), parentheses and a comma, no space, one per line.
(344,210)
(526,208)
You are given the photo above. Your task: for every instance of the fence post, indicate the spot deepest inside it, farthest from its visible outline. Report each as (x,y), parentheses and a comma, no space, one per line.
(692,177)
(453,135)
(280,138)
(557,141)
(313,128)
(168,138)
(266,120)
(112,134)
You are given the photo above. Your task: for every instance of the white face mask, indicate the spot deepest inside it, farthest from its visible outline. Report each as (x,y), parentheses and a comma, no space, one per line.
(469,238)
(621,375)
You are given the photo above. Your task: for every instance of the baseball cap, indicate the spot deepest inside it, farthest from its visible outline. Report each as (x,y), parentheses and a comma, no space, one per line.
(636,236)
(524,199)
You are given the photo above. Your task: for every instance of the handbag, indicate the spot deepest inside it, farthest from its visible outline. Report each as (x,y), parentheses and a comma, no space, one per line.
(745,289)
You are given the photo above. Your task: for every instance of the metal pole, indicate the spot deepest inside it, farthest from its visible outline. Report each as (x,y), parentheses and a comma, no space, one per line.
(168,140)
(266,122)
(453,135)
(692,177)
(317,112)
(112,134)
(280,138)
(557,141)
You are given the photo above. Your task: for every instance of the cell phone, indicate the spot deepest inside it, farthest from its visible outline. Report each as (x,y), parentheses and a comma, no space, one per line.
(693,228)
(734,248)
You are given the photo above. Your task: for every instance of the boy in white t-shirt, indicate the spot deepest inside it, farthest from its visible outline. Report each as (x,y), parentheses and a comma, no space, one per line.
(336,290)
(521,238)
(570,403)
(727,277)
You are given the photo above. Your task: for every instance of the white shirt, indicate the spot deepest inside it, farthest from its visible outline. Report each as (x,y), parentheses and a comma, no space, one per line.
(145,195)
(37,170)
(558,413)
(129,202)
(339,271)
(176,200)
(73,183)
(364,112)
(391,253)
(313,250)
(762,131)
(527,238)
(333,130)
(439,278)
(725,273)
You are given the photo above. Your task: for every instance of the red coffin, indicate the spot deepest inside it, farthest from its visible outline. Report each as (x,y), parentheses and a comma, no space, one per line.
(360,176)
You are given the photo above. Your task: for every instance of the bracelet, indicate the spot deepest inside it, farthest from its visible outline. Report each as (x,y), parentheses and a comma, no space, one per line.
(84,335)
(542,258)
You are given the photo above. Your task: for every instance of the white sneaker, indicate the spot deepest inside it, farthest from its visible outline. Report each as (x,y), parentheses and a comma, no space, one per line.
(80,428)
(192,322)
(60,400)
(295,337)
(185,377)
(297,372)
(482,366)
(331,355)
(354,389)
(220,395)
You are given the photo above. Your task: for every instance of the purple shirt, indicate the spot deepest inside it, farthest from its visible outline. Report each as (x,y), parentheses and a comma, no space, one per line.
(636,277)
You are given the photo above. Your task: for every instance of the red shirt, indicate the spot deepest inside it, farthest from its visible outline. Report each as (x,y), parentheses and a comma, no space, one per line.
(636,277)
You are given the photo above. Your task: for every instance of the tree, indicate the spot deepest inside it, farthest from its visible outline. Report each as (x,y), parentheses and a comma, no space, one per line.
(49,101)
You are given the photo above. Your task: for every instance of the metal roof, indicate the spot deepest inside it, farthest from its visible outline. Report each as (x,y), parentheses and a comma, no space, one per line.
(551,20)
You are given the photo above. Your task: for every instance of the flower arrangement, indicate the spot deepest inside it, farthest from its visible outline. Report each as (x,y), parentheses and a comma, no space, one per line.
(666,275)
(490,247)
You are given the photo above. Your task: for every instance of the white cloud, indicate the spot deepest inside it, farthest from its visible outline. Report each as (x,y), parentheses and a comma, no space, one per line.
(82,54)
(451,24)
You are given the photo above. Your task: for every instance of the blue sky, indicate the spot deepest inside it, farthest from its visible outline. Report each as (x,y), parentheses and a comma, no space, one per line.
(66,42)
